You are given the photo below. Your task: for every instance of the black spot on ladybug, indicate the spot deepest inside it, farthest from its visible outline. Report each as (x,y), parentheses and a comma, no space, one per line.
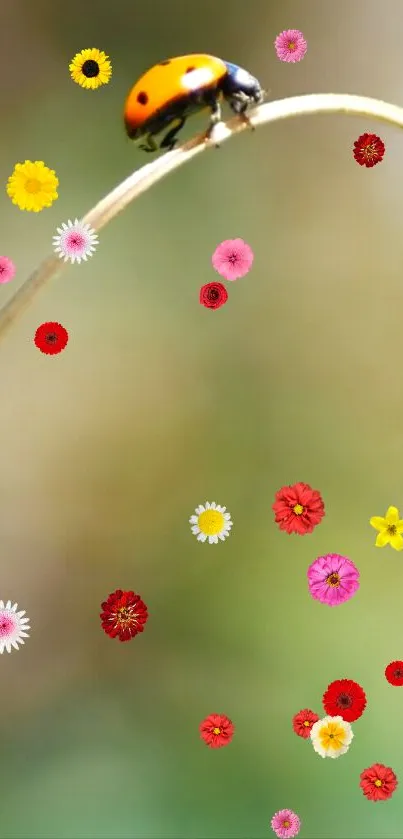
(190,69)
(142,98)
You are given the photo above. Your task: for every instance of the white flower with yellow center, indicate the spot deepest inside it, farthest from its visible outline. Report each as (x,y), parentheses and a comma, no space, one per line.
(211,522)
(331,737)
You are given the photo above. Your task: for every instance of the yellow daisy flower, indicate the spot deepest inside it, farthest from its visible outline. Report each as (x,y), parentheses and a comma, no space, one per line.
(390,529)
(32,186)
(331,737)
(91,69)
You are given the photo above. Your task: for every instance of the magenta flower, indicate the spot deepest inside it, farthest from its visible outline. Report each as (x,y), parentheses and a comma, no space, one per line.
(290,45)
(232,259)
(333,579)
(286,824)
(7,269)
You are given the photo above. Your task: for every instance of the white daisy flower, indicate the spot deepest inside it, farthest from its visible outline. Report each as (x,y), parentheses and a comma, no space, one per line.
(75,241)
(331,737)
(212,522)
(13,627)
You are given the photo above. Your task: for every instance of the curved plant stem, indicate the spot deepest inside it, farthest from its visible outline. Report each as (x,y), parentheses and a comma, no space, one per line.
(144,178)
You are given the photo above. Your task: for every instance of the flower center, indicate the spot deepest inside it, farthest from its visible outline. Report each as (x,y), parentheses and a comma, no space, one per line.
(76,240)
(51,338)
(291,45)
(213,293)
(286,823)
(216,730)
(125,616)
(32,185)
(378,782)
(398,674)
(344,700)
(306,723)
(211,522)
(333,580)
(233,258)
(298,510)
(90,68)
(6,626)
(392,529)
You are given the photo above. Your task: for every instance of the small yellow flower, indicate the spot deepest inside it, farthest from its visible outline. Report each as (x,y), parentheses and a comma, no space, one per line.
(32,186)
(390,529)
(91,68)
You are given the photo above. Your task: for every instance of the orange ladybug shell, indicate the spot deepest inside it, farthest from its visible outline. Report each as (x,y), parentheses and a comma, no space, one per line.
(168,81)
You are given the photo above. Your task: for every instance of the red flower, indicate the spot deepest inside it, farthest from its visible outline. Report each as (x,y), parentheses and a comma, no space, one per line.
(213,295)
(298,508)
(51,338)
(394,673)
(303,722)
(216,730)
(378,782)
(368,150)
(346,699)
(124,615)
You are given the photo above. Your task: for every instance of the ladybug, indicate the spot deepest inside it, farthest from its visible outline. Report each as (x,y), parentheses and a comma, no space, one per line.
(167,94)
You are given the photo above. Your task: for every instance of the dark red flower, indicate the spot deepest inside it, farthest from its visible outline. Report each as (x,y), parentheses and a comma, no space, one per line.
(369,150)
(216,730)
(345,698)
(51,338)
(303,722)
(394,673)
(298,508)
(213,295)
(124,615)
(378,782)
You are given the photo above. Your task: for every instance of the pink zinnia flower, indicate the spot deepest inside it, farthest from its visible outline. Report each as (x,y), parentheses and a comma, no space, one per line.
(286,824)
(7,269)
(290,45)
(333,579)
(232,259)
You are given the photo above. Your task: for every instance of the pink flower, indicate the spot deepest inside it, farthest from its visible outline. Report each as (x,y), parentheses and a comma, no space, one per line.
(286,824)
(7,269)
(290,45)
(232,259)
(333,579)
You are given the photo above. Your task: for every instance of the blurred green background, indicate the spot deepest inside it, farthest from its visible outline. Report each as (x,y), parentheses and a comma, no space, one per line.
(158,405)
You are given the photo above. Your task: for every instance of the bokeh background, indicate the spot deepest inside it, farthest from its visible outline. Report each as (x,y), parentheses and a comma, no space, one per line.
(158,404)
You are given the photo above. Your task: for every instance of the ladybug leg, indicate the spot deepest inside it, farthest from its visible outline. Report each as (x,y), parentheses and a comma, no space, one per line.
(215,118)
(239,105)
(170,140)
(149,145)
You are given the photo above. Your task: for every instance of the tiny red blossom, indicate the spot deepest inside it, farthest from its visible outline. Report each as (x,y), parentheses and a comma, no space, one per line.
(303,721)
(124,614)
(213,295)
(298,508)
(216,730)
(394,673)
(378,782)
(368,150)
(51,338)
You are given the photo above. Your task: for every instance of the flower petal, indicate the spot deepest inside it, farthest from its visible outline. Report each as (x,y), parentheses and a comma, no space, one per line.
(392,515)
(378,523)
(382,539)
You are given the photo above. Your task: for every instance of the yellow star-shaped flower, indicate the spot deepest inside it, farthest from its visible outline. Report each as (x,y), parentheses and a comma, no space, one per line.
(390,529)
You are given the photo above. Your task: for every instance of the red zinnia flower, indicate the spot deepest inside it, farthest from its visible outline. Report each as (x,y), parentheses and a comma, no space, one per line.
(51,338)
(213,295)
(298,508)
(216,730)
(378,782)
(303,722)
(346,699)
(369,150)
(394,673)
(124,615)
